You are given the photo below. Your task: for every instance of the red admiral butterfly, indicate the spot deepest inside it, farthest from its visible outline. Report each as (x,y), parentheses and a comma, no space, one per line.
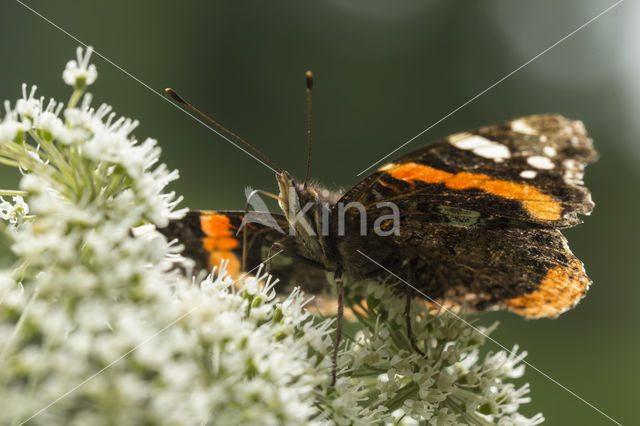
(473,219)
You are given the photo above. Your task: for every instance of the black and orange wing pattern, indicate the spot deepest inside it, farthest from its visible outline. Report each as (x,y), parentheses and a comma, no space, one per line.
(480,213)
(209,237)
(528,170)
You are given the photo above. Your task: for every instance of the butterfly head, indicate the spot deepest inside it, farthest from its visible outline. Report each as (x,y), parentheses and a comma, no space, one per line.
(307,214)
(297,201)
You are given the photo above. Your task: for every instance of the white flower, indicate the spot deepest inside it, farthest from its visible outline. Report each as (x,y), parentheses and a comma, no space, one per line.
(79,73)
(13,213)
(11,126)
(443,418)
(451,386)
(28,106)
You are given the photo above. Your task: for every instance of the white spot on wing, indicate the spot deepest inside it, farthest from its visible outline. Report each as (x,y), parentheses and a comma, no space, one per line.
(521,126)
(549,151)
(480,146)
(386,167)
(540,162)
(574,171)
(528,174)
(466,140)
(543,138)
(495,151)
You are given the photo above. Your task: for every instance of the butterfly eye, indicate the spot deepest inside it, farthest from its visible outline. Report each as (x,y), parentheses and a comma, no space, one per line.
(308,194)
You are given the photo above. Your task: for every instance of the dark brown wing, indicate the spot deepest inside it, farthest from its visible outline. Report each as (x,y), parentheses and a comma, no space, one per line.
(526,170)
(479,212)
(530,271)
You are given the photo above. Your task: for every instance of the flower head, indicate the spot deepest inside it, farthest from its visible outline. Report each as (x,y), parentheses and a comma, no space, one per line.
(79,73)
(11,128)
(13,213)
(88,292)
(385,379)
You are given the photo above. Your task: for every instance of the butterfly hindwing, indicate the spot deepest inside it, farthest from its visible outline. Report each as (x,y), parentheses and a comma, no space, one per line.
(209,237)
(530,271)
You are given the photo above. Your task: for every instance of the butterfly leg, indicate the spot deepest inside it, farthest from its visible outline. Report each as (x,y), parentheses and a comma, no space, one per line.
(340,284)
(407,316)
(282,247)
(273,250)
(407,312)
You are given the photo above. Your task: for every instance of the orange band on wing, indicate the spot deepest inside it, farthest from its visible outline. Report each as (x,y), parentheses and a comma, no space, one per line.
(539,205)
(219,241)
(216,225)
(561,289)
(233,267)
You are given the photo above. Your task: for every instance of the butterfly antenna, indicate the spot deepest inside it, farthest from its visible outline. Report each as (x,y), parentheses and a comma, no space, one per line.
(179,99)
(309,77)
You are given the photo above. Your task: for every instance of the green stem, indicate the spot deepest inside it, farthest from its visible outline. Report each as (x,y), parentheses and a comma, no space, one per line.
(402,394)
(367,372)
(471,418)
(75,97)
(13,193)
(7,345)
(9,162)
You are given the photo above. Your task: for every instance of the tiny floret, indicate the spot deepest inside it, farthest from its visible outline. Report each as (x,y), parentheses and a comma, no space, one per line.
(79,73)
(13,213)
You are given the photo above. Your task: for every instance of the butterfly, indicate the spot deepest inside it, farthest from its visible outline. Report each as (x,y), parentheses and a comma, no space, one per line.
(472,219)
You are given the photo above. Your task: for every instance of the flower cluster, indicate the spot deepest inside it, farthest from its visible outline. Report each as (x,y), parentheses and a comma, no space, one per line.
(13,213)
(451,384)
(97,326)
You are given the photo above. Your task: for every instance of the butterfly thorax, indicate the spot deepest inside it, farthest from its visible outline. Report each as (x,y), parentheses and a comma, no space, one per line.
(308,211)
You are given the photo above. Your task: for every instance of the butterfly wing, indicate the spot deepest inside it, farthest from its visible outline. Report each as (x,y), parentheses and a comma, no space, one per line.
(530,271)
(210,237)
(527,170)
(479,216)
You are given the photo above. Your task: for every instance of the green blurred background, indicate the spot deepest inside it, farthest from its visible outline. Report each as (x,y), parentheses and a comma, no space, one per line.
(384,72)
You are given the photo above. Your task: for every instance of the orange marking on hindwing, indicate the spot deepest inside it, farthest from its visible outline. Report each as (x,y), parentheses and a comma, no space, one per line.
(540,206)
(219,241)
(216,225)
(233,267)
(561,289)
